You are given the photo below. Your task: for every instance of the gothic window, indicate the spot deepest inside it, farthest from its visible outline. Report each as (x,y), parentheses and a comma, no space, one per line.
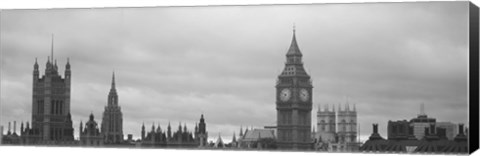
(352,126)
(61,107)
(40,107)
(52,107)
(323,125)
(56,106)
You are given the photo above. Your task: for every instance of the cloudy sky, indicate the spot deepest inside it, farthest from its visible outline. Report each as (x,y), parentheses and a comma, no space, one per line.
(174,63)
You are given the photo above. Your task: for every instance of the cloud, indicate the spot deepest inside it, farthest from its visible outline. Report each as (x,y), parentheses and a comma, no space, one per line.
(174,63)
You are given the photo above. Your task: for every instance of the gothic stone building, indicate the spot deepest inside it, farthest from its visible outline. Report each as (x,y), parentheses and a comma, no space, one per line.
(112,123)
(294,102)
(91,135)
(180,138)
(337,130)
(51,120)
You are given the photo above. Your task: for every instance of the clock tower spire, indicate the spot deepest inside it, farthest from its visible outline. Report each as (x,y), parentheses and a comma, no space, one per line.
(294,102)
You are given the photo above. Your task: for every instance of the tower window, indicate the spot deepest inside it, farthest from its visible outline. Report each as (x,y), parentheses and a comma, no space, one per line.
(61,107)
(52,107)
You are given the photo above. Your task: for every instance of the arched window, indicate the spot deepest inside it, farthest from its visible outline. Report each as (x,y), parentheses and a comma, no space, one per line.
(323,125)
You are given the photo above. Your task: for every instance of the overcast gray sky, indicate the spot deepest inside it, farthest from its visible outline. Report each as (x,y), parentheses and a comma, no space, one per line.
(175,63)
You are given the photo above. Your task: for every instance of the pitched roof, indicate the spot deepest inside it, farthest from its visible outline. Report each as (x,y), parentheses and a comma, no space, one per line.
(256,134)
(294,50)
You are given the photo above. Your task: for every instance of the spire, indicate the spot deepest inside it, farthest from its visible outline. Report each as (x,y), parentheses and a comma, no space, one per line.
(68,64)
(294,50)
(35,66)
(422,109)
(113,80)
(14,127)
(91,116)
(241,131)
(21,128)
(294,28)
(56,67)
(153,127)
(52,47)
(81,127)
(185,127)
(9,132)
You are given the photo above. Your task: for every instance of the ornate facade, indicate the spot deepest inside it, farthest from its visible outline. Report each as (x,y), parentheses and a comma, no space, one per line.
(337,130)
(51,120)
(112,122)
(347,124)
(294,102)
(182,137)
(91,135)
(326,124)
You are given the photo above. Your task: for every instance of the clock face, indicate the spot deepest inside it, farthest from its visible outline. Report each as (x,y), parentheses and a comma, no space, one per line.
(304,95)
(285,94)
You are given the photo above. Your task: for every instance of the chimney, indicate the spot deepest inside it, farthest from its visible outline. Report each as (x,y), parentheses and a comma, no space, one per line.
(14,126)
(460,128)
(9,127)
(375,128)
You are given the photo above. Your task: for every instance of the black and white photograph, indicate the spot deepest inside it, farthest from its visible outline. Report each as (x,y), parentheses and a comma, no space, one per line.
(319,78)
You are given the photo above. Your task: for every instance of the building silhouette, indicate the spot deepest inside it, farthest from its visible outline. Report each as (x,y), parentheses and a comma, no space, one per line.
(201,132)
(451,129)
(182,137)
(112,122)
(402,140)
(337,129)
(326,124)
(294,102)
(51,119)
(1,134)
(257,139)
(421,122)
(90,135)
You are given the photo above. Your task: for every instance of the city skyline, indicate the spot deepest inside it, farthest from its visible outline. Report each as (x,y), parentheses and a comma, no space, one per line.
(175,63)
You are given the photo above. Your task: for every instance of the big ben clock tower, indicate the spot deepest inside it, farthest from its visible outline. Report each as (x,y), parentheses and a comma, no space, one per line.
(294,102)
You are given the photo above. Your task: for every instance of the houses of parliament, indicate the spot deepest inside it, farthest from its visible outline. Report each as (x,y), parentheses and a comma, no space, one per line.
(51,122)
